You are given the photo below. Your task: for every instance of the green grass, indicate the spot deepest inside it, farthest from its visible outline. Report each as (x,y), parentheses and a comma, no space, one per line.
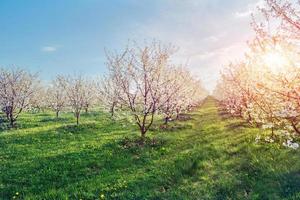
(209,156)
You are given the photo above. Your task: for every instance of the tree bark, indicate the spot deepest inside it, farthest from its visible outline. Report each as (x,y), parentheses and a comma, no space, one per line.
(77,118)
(295,128)
(166,120)
(12,122)
(112,110)
(143,133)
(57,114)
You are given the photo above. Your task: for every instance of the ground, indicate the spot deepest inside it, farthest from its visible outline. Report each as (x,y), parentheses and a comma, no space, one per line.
(208,156)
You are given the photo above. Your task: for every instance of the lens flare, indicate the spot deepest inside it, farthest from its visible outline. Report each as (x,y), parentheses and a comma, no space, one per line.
(275,61)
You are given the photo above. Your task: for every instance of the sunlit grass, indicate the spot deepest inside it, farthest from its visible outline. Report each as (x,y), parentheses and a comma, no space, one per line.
(209,156)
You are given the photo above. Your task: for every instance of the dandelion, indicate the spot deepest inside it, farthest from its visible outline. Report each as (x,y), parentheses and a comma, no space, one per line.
(102,196)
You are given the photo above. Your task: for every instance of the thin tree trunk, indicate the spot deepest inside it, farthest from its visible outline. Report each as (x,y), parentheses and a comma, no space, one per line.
(12,121)
(143,133)
(295,128)
(7,112)
(112,110)
(272,130)
(249,117)
(166,120)
(77,118)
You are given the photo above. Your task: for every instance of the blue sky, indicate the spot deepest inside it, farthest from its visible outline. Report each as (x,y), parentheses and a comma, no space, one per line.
(69,36)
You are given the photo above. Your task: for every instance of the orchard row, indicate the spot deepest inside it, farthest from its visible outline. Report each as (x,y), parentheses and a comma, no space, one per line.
(264,87)
(141,83)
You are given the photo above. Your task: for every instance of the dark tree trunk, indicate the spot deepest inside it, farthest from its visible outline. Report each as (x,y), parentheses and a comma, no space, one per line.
(166,120)
(143,133)
(12,122)
(249,117)
(295,128)
(77,118)
(272,131)
(57,112)
(112,110)
(7,110)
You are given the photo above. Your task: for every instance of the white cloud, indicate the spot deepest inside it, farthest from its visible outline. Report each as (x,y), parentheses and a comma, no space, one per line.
(260,4)
(251,8)
(206,55)
(49,48)
(246,13)
(211,39)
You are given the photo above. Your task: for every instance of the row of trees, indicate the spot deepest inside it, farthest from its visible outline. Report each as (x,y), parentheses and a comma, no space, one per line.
(21,90)
(141,83)
(264,88)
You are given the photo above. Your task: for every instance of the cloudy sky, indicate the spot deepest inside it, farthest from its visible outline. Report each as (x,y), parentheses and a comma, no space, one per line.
(69,36)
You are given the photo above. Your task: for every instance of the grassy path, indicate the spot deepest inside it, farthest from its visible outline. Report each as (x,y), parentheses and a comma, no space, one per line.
(207,157)
(230,165)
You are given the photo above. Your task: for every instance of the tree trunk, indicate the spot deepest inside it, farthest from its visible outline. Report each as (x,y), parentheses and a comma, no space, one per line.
(249,117)
(57,114)
(112,110)
(143,133)
(7,111)
(272,131)
(7,115)
(77,118)
(295,128)
(12,122)
(166,120)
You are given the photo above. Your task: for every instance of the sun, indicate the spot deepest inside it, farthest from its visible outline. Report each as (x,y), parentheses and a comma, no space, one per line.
(275,61)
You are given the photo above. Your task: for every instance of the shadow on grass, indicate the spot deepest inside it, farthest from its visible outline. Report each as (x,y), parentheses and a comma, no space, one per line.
(239,176)
(54,119)
(237,125)
(259,179)
(290,184)
(184,117)
(35,175)
(209,160)
(170,127)
(224,114)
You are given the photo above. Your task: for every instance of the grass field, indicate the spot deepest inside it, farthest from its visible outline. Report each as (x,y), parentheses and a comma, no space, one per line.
(209,156)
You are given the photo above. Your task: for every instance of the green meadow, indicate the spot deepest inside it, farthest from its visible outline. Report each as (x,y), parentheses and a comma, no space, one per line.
(206,155)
